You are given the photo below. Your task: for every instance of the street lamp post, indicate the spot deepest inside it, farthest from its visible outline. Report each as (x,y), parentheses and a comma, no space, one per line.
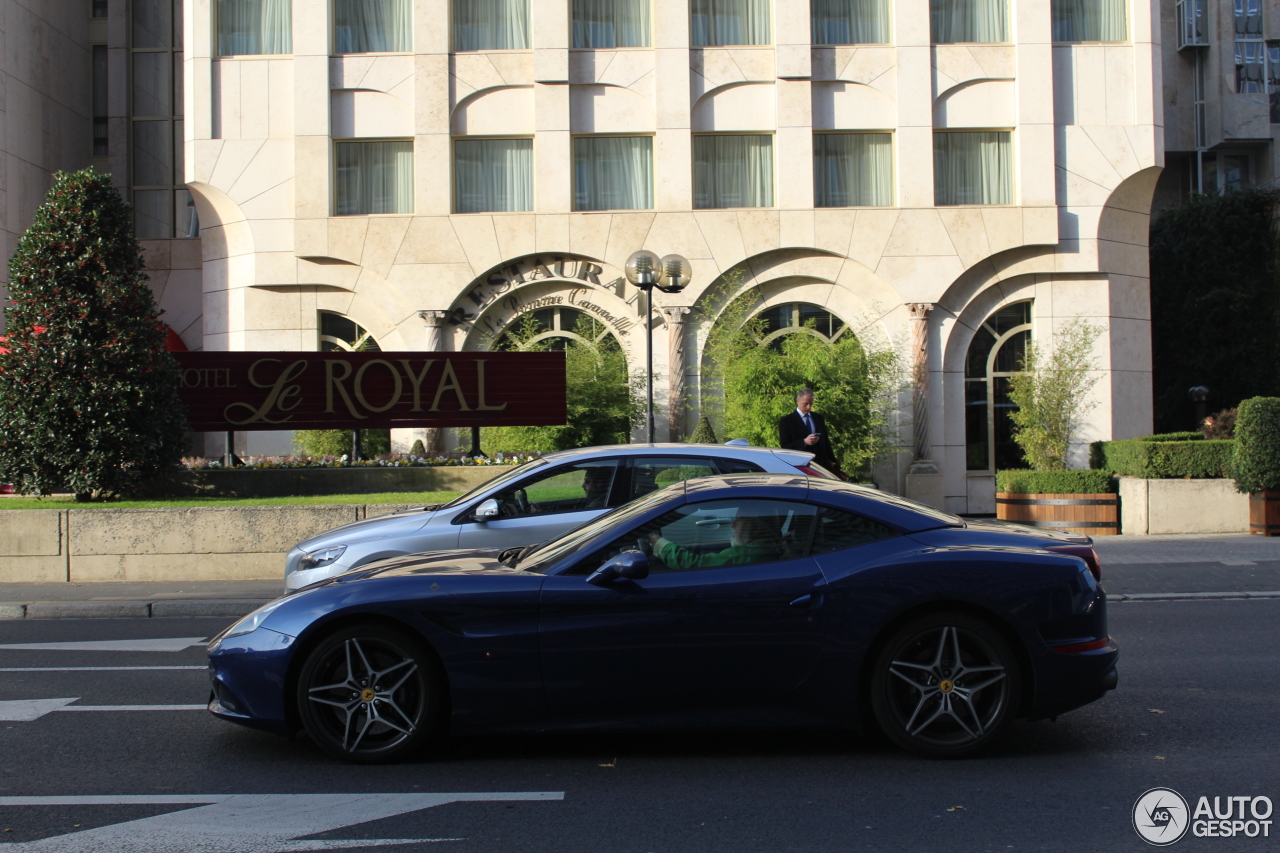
(670,274)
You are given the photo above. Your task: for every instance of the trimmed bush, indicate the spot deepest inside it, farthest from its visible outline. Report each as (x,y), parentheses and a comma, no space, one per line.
(1022,482)
(1173,436)
(1256,464)
(1163,460)
(704,434)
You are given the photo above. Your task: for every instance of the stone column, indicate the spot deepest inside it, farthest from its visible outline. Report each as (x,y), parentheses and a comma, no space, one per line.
(433,437)
(924,480)
(675,369)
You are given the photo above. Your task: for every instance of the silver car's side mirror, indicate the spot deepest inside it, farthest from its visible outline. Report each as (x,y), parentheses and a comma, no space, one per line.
(487,509)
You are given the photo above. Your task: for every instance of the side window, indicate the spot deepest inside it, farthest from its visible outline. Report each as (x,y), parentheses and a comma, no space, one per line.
(737,466)
(571,489)
(650,473)
(717,534)
(837,530)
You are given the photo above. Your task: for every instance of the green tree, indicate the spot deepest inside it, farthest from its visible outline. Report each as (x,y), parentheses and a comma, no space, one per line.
(88,392)
(1051,395)
(604,402)
(749,386)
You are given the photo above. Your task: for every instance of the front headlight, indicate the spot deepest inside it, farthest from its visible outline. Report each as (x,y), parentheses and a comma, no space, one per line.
(323,557)
(254,619)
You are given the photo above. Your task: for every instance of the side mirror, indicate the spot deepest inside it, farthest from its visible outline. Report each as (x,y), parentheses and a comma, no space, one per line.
(487,509)
(631,565)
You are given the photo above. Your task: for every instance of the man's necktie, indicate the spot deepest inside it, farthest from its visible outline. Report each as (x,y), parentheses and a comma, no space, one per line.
(808,424)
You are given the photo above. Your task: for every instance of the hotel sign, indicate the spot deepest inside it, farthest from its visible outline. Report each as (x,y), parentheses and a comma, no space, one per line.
(363,390)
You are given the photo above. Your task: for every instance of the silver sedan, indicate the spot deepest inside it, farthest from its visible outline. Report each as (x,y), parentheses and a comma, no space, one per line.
(531,503)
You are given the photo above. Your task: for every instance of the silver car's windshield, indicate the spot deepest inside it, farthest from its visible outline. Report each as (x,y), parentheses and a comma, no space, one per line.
(550,553)
(518,471)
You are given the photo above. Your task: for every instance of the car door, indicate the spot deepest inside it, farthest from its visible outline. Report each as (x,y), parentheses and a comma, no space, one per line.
(544,505)
(722,625)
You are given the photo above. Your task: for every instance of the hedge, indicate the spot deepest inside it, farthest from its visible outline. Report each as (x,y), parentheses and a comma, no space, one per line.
(1173,436)
(1163,460)
(1025,482)
(1256,465)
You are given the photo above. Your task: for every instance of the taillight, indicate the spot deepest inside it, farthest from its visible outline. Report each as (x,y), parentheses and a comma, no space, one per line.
(1076,648)
(806,470)
(1085,553)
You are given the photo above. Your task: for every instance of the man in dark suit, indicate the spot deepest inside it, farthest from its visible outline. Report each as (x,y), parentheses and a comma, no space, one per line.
(805,429)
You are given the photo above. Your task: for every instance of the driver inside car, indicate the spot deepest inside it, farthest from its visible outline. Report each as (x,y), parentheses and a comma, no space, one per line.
(756,539)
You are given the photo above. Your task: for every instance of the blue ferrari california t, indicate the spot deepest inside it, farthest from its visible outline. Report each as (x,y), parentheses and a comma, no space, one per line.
(745,600)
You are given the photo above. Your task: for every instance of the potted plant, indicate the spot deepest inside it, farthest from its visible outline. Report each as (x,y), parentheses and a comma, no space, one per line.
(1051,393)
(1256,463)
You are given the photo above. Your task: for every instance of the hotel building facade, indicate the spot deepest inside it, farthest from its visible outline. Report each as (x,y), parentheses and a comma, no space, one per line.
(956,177)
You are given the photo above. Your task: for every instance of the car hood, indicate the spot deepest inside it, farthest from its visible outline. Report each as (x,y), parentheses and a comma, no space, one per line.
(477,561)
(394,524)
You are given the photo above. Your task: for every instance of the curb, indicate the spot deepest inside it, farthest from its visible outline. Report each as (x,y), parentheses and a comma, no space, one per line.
(1193,596)
(165,608)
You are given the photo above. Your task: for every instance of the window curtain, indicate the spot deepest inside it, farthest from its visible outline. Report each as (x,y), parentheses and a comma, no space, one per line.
(491,24)
(724,22)
(372,26)
(248,27)
(850,21)
(972,167)
(1089,20)
(613,173)
(493,175)
(374,177)
(610,23)
(732,171)
(852,169)
(955,21)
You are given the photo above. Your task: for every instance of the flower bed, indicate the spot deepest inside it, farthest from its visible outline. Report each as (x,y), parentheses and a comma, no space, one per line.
(386,460)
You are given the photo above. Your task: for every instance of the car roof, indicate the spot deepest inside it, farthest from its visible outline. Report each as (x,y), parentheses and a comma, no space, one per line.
(798,457)
(898,512)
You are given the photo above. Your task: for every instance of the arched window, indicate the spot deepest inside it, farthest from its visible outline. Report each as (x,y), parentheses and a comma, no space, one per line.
(782,320)
(995,354)
(553,328)
(340,334)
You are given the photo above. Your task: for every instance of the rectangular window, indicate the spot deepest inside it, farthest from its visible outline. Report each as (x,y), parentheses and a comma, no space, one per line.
(852,169)
(972,167)
(373,177)
(610,23)
(1251,65)
(99,8)
(732,171)
(249,27)
(99,100)
(965,21)
(849,21)
(152,24)
(493,175)
(717,23)
(1192,30)
(372,26)
(1089,20)
(613,173)
(491,24)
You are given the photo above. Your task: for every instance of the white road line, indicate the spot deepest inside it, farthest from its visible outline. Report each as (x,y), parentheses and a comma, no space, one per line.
(245,823)
(27,710)
(168,644)
(132,708)
(94,669)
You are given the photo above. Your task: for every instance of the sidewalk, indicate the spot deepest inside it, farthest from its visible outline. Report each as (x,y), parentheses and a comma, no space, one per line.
(221,599)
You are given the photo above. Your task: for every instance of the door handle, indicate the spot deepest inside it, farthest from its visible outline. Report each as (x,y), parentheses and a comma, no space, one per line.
(811,600)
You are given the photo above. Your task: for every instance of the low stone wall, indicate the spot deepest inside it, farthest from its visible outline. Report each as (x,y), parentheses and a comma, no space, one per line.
(285,482)
(179,544)
(1182,506)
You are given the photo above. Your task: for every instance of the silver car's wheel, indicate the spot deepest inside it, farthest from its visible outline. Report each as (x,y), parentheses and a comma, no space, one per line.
(368,694)
(945,685)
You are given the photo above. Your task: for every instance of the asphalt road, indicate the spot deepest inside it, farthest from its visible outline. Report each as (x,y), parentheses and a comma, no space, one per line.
(1196,710)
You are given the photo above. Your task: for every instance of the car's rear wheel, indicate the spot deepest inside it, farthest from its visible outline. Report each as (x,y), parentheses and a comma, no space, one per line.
(369,694)
(945,685)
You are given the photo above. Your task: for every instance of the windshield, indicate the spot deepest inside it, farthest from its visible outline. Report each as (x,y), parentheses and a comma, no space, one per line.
(551,553)
(518,471)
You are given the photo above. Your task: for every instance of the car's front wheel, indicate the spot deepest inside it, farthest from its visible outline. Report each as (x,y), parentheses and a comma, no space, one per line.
(945,685)
(369,694)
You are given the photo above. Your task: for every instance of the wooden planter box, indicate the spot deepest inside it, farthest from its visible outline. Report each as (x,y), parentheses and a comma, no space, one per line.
(1264,513)
(1092,515)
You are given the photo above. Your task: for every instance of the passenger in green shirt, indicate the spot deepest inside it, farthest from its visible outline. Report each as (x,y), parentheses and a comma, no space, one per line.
(755,540)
